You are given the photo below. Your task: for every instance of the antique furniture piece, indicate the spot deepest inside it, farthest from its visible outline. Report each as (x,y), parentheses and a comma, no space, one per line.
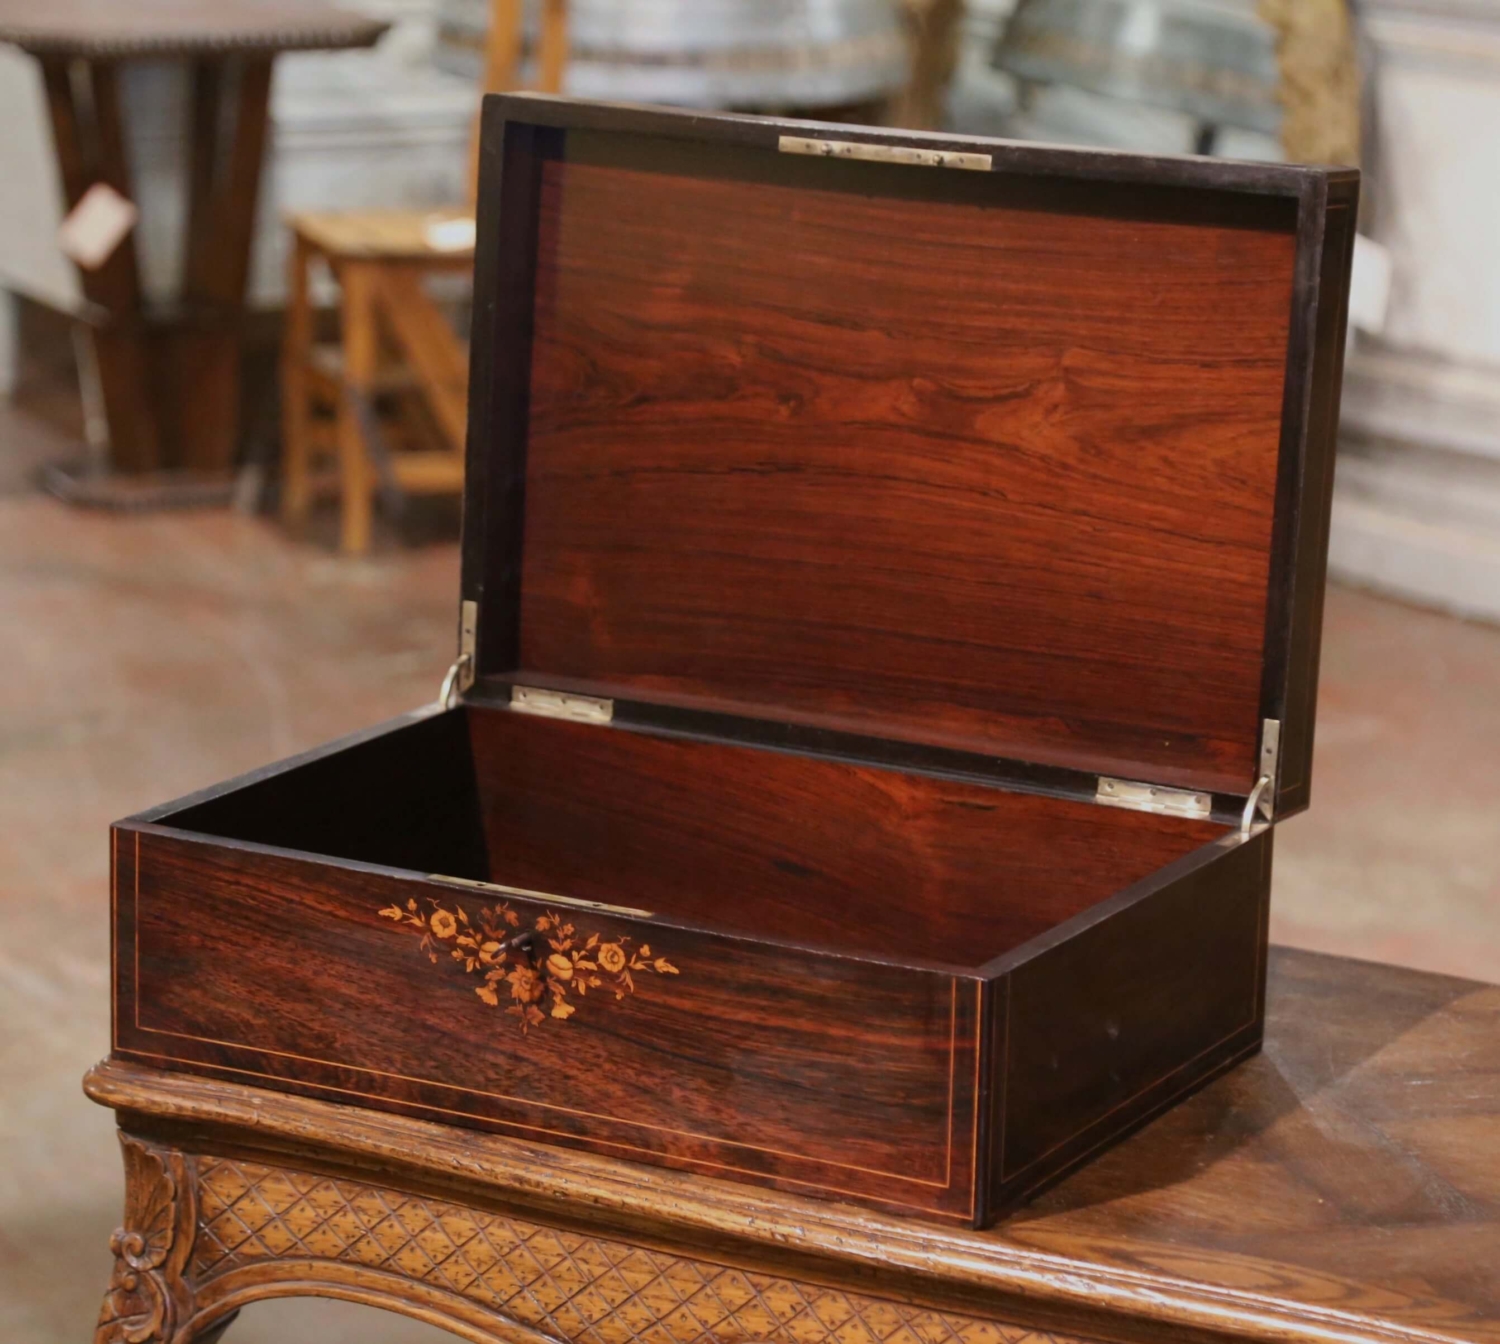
(1344,1186)
(791,54)
(379,260)
(892,576)
(169,381)
(1213,60)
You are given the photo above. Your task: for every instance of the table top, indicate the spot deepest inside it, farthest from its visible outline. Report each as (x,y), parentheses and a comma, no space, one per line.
(1343,1185)
(116,29)
(1354,1164)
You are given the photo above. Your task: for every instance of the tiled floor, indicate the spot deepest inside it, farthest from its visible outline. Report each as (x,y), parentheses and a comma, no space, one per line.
(147,656)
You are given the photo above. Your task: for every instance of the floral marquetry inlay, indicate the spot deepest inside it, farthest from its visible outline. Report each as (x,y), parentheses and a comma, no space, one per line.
(536,970)
(567,1285)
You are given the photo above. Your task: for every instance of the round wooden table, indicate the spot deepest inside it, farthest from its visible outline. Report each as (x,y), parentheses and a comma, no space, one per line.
(169,375)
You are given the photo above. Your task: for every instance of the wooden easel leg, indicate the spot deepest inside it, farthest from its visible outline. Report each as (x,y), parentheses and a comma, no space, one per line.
(230,99)
(356,478)
(89,142)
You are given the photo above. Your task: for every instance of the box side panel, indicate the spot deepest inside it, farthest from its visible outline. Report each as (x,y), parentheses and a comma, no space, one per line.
(1105,1029)
(816,1073)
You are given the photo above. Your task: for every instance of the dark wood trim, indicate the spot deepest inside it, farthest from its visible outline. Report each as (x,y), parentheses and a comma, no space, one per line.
(1009,156)
(1282,594)
(500,362)
(1328,324)
(1102,911)
(436,884)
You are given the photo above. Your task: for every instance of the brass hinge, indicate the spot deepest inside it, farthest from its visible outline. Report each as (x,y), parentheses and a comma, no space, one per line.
(1152,798)
(561,705)
(858,149)
(461,674)
(1262,799)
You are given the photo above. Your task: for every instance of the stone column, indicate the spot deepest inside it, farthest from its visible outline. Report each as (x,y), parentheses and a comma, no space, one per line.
(1417,500)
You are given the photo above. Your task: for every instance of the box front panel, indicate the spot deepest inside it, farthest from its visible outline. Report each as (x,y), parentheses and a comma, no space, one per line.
(820,1074)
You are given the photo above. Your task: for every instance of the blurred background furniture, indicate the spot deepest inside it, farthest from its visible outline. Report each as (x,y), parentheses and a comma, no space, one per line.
(751,55)
(396,342)
(1089,68)
(167,379)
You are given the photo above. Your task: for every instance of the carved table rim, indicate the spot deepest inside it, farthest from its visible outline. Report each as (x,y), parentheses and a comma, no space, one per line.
(169,1119)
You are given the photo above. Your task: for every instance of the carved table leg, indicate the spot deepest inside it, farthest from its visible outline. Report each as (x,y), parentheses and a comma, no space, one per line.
(148,1294)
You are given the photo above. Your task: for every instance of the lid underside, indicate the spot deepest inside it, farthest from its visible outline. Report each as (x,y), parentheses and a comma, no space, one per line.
(983,461)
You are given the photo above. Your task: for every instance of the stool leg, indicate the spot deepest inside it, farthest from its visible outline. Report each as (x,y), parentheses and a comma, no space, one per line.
(357,479)
(296,414)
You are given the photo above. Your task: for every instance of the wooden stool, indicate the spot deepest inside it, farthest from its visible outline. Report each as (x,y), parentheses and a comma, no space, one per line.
(378,261)
(394,338)
(1316,1193)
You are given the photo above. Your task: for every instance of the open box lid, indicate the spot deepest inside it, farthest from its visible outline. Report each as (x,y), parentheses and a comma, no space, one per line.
(952,453)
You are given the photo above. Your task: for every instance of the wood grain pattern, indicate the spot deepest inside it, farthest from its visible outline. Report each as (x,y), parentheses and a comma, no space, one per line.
(786,846)
(974,462)
(765,1062)
(1343,1186)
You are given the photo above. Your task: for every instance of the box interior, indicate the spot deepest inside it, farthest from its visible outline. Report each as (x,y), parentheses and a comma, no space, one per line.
(818,851)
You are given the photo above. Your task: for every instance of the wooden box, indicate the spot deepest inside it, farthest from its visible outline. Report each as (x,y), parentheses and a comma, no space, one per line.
(892,577)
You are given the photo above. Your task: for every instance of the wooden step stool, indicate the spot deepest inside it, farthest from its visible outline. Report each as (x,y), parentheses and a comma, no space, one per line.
(394,337)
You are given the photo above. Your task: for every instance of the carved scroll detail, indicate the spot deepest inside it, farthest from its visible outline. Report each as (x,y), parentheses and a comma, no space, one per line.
(146,1290)
(566,1285)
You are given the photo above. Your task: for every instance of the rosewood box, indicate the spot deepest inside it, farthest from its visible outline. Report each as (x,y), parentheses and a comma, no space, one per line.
(892,578)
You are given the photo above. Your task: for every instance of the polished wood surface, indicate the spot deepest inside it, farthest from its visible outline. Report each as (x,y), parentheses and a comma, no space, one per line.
(968,463)
(1020,462)
(786,846)
(1344,1186)
(705,1050)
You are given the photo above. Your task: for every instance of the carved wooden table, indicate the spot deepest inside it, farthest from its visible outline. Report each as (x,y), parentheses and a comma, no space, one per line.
(1344,1185)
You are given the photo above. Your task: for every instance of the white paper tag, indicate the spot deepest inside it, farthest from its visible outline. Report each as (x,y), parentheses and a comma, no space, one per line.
(96,226)
(1369,285)
(449,235)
